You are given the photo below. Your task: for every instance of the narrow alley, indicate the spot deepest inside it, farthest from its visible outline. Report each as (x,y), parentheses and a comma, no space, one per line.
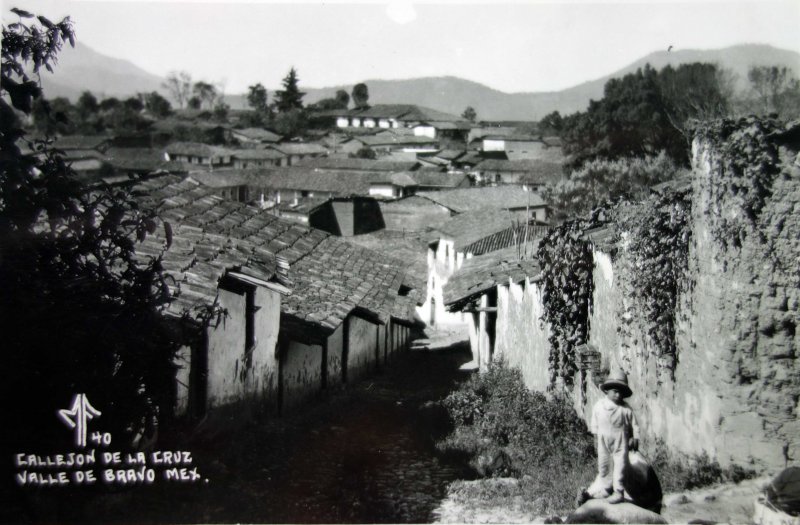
(365,455)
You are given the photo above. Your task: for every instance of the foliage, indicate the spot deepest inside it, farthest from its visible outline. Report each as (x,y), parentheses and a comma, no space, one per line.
(81,310)
(342,98)
(645,112)
(365,152)
(775,90)
(470,114)
(220,113)
(290,98)
(206,93)
(360,96)
(257,99)
(290,123)
(565,258)
(194,102)
(509,430)
(601,180)
(551,124)
(157,105)
(659,231)
(680,472)
(749,164)
(179,86)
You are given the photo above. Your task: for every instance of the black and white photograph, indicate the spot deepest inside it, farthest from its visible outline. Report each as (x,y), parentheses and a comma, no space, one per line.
(400,262)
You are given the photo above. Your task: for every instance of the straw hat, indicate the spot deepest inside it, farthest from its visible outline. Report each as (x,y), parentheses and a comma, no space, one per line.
(618,380)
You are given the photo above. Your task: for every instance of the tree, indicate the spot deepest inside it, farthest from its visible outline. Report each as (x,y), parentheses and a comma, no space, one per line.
(179,86)
(157,105)
(87,105)
(290,97)
(134,104)
(645,112)
(195,102)
(551,124)
(80,309)
(207,93)
(360,96)
(342,98)
(257,98)
(600,180)
(290,123)
(365,152)
(775,90)
(470,114)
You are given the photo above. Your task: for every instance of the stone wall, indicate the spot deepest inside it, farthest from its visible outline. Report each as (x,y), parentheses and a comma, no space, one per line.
(736,385)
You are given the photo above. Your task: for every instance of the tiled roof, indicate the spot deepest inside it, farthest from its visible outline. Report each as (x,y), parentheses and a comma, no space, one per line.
(196,149)
(480,274)
(259,134)
(467,228)
(518,234)
(513,137)
(80,141)
(496,197)
(330,277)
(438,179)
(532,170)
(394,140)
(138,159)
(257,154)
(397,179)
(331,163)
(447,124)
(299,148)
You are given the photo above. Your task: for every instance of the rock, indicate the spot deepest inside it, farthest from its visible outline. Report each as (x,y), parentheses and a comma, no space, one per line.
(600,511)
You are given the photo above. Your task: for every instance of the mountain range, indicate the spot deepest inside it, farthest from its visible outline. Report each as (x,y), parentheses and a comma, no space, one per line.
(83,68)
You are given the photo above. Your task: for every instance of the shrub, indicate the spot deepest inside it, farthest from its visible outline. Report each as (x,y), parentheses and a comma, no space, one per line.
(507,430)
(679,472)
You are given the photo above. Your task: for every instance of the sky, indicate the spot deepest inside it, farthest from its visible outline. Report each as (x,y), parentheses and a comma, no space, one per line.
(513,47)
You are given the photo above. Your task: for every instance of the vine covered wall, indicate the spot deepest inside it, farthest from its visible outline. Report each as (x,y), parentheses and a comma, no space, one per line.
(695,294)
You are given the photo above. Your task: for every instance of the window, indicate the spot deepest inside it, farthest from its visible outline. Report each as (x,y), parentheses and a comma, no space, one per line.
(250,320)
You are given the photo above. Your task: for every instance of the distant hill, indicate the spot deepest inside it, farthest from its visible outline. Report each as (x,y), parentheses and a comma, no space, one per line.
(82,68)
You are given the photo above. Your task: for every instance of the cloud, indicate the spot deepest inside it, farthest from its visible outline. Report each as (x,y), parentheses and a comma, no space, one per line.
(401,12)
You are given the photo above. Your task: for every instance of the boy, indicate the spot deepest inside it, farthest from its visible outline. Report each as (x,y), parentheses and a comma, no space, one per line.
(617,432)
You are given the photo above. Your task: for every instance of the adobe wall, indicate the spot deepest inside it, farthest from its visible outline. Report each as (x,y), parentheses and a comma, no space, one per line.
(521,336)
(335,349)
(736,387)
(302,373)
(361,356)
(737,382)
(231,376)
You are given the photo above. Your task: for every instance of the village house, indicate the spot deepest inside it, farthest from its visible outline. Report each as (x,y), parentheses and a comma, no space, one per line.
(352,164)
(424,121)
(392,185)
(532,174)
(297,151)
(386,143)
(198,153)
(302,310)
(258,158)
(487,290)
(513,198)
(463,236)
(412,214)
